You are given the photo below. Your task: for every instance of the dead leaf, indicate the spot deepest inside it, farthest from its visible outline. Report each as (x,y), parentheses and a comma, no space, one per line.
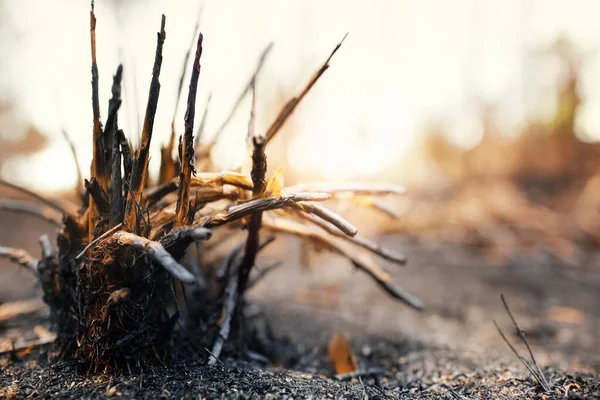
(342,358)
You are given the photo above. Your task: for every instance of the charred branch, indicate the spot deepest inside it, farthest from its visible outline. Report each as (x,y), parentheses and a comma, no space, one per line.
(140,164)
(186,154)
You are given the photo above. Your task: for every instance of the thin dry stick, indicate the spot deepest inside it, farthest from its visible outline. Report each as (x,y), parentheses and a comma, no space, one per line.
(534,369)
(157,252)
(262,204)
(99,238)
(140,165)
(359,240)
(360,261)
(75,160)
(291,105)
(36,196)
(167,164)
(18,206)
(259,66)
(356,189)
(98,195)
(327,215)
(20,257)
(259,170)
(186,155)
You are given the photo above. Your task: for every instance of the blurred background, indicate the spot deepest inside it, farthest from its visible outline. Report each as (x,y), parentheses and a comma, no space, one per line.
(487,110)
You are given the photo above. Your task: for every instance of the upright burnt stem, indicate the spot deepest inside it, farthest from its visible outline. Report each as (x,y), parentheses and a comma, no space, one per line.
(98,168)
(112,120)
(259,170)
(140,164)
(116,204)
(187,145)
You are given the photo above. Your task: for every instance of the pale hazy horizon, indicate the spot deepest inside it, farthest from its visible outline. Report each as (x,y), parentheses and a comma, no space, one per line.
(403,64)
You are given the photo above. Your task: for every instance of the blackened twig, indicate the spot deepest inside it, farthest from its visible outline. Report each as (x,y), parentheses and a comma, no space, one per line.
(140,164)
(112,120)
(20,257)
(186,155)
(202,125)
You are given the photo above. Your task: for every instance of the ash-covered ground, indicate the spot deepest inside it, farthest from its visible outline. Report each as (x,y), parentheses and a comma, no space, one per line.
(451,350)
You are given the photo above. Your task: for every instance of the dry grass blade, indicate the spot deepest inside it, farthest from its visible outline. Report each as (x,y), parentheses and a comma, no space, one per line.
(358,240)
(140,164)
(18,206)
(356,189)
(157,252)
(20,257)
(533,367)
(291,105)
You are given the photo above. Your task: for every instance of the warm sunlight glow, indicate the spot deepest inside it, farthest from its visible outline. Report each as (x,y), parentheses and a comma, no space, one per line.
(403,64)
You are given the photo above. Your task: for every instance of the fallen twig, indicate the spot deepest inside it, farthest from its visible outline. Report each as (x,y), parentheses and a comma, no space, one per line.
(48,214)
(20,257)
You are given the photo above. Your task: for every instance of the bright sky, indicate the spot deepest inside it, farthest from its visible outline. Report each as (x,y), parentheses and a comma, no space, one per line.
(403,63)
